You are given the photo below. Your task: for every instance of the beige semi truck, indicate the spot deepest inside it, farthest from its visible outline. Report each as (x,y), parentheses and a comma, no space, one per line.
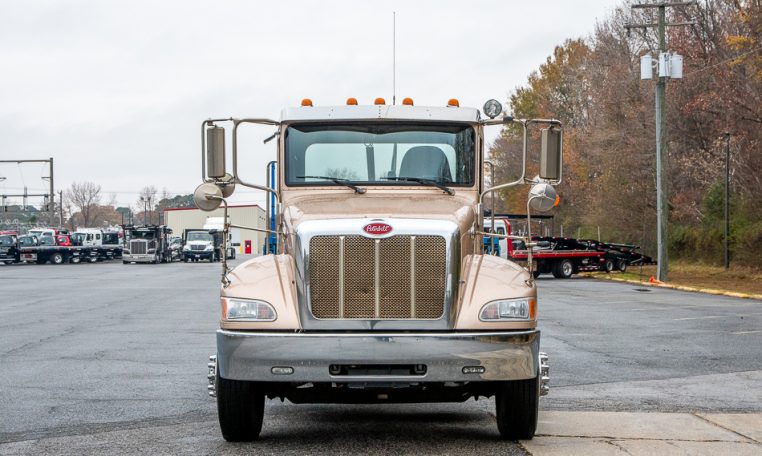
(379,291)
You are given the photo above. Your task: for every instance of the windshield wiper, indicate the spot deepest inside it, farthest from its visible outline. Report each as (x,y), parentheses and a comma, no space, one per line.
(337,181)
(424,181)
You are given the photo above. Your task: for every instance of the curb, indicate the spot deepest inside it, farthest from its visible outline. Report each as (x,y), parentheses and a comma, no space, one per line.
(713,291)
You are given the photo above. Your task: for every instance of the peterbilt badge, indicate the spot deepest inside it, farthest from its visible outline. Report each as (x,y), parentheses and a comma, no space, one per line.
(377,228)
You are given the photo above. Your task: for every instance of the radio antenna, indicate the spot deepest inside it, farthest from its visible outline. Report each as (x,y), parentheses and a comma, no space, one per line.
(394,57)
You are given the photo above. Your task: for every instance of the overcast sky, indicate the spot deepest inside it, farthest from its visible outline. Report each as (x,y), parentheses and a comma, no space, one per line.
(115,91)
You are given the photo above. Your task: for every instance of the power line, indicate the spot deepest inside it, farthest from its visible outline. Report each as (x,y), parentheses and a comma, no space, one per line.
(723,62)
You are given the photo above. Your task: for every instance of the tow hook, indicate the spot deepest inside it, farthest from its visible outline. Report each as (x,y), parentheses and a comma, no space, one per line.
(544,378)
(212,376)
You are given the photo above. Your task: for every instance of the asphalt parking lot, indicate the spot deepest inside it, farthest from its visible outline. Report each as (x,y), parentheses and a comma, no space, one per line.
(112,358)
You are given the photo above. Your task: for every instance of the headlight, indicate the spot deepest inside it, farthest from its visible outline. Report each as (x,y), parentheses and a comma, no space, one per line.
(186,248)
(509,309)
(247,310)
(126,251)
(208,248)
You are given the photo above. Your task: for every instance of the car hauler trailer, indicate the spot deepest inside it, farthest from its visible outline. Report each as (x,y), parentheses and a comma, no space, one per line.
(378,290)
(563,256)
(60,254)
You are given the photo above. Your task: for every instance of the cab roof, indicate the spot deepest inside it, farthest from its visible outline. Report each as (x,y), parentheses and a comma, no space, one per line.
(385,112)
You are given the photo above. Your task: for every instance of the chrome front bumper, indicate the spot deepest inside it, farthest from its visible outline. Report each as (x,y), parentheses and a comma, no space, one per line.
(139,258)
(447,357)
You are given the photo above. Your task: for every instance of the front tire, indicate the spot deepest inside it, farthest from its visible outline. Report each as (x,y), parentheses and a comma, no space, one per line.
(240,408)
(516,406)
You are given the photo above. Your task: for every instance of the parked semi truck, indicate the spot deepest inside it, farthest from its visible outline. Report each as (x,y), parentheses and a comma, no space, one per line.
(379,290)
(146,244)
(200,245)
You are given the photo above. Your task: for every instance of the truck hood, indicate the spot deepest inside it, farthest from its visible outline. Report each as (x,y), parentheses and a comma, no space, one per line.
(456,209)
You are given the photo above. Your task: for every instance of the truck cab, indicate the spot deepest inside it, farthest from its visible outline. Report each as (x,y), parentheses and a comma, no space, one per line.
(200,245)
(379,290)
(9,248)
(146,244)
(88,237)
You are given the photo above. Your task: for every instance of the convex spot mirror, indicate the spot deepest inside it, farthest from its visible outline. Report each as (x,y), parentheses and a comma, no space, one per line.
(215,152)
(543,197)
(551,154)
(207,197)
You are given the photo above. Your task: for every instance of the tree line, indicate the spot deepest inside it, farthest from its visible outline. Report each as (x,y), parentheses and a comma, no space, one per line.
(84,206)
(593,86)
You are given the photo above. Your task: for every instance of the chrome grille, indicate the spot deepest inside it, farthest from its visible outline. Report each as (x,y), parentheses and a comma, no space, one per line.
(400,277)
(138,247)
(197,247)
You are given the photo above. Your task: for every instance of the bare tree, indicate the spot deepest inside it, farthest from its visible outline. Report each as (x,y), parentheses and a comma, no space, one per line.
(86,197)
(147,201)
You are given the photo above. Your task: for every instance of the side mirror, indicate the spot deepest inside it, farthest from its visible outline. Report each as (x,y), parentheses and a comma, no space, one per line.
(551,154)
(215,152)
(207,197)
(543,197)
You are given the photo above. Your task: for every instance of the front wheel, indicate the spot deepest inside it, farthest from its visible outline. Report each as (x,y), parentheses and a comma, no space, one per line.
(240,408)
(516,406)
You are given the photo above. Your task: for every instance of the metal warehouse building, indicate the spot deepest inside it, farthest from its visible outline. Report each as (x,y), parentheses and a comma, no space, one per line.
(245,241)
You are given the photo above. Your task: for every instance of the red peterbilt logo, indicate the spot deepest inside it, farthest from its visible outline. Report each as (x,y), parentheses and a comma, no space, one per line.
(377,228)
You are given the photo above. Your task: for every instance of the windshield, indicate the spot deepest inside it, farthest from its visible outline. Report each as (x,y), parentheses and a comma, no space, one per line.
(199,236)
(6,240)
(379,154)
(141,234)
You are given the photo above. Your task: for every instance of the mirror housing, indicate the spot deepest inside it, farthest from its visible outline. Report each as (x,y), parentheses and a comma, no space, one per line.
(215,152)
(543,197)
(551,154)
(227,185)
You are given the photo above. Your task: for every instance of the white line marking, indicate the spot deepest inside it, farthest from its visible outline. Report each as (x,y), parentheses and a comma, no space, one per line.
(698,318)
(746,332)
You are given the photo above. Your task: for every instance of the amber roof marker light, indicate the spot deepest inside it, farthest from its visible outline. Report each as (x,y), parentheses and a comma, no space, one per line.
(379,101)
(307,102)
(408,101)
(351,101)
(453,103)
